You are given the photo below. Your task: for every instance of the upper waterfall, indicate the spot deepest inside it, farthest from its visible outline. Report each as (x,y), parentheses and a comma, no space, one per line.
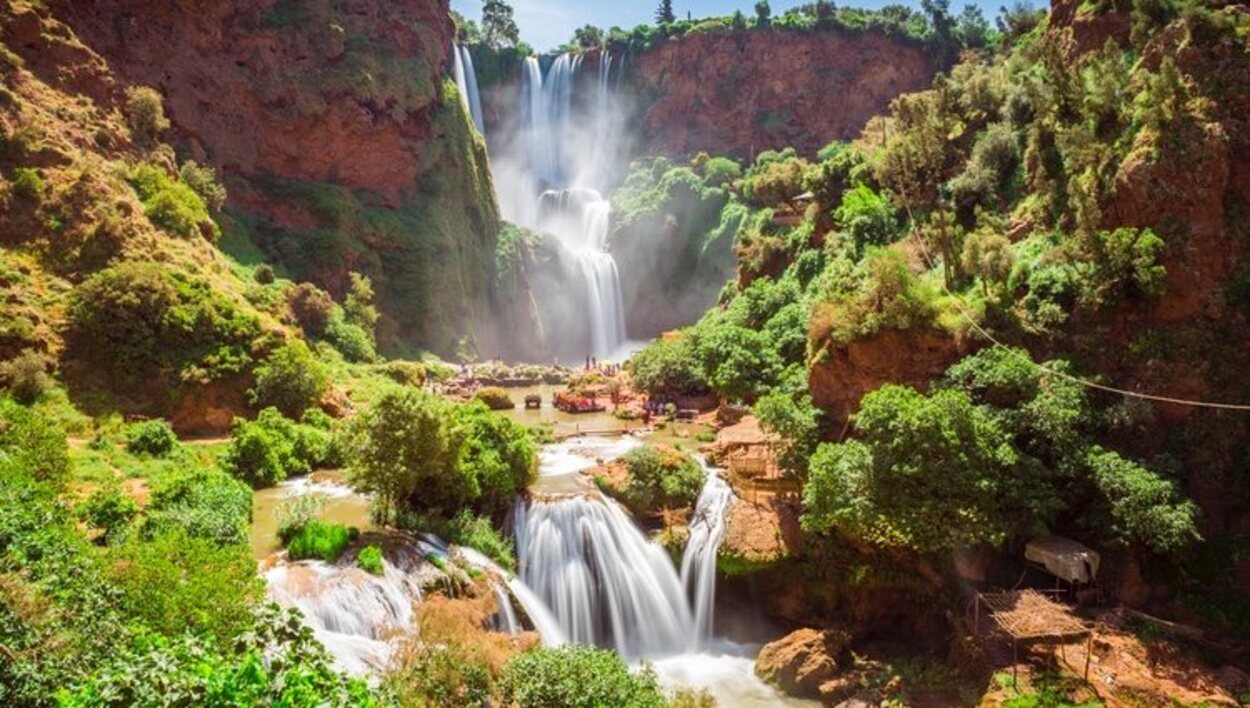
(466,82)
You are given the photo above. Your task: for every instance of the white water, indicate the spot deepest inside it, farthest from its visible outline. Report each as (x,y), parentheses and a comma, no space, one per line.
(606,583)
(466,82)
(551,180)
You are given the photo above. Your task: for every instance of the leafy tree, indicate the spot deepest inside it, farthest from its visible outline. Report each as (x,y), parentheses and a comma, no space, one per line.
(763,14)
(499,455)
(1018,20)
(664,13)
(868,217)
(944,237)
(660,479)
(405,449)
(1143,507)
(797,422)
(577,677)
(291,380)
(972,29)
(738,22)
(358,307)
(273,447)
(145,113)
(738,363)
(987,255)
(667,367)
(312,308)
(498,26)
(588,37)
(928,473)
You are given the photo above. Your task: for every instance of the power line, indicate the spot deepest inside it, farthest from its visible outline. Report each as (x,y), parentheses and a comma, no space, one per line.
(959,304)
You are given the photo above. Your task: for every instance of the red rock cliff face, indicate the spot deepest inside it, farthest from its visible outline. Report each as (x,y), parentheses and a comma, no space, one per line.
(744,93)
(340,147)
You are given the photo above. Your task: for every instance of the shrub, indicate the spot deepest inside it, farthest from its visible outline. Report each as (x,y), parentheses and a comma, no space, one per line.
(668,367)
(202,179)
(320,540)
(291,380)
(28,184)
(31,445)
(172,205)
(1142,506)
(295,513)
(495,398)
(868,217)
(660,479)
(311,306)
(151,437)
(272,448)
(205,504)
(177,583)
(721,171)
(441,674)
(409,373)
(577,677)
(370,560)
(358,306)
(738,363)
(775,183)
(110,511)
(351,340)
(145,114)
(26,377)
(264,274)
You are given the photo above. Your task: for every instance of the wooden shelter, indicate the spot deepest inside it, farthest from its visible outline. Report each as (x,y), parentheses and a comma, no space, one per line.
(1032,618)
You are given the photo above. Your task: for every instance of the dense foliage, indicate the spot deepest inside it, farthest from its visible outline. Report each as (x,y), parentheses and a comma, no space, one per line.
(659,479)
(577,677)
(272,447)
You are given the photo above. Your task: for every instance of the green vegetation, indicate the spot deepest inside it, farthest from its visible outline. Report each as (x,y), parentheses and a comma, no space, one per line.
(152,437)
(172,204)
(494,398)
(290,379)
(370,560)
(414,451)
(145,113)
(320,540)
(577,677)
(273,447)
(660,479)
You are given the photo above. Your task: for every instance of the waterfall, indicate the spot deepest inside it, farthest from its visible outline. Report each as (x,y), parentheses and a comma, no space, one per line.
(566,151)
(606,583)
(466,82)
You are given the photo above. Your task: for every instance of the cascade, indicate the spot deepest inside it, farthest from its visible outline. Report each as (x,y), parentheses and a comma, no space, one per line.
(606,583)
(566,151)
(466,82)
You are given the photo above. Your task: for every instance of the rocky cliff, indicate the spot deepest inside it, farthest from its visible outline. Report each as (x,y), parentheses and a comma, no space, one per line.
(342,145)
(742,93)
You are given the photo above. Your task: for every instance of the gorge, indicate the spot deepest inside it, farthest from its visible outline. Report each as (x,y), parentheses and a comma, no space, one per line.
(354,353)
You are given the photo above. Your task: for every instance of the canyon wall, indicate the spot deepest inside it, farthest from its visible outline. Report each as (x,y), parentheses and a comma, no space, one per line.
(342,144)
(742,93)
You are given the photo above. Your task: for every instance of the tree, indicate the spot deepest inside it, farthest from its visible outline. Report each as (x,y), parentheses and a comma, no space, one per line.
(987,255)
(145,114)
(738,22)
(291,380)
(943,234)
(588,37)
(498,26)
(358,307)
(763,14)
(406,448)
(972,29)
(1142,506)
(664,13)
(660,479)
(929,473)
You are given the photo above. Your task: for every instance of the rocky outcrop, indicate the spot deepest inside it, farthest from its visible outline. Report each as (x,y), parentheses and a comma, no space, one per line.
(807,664)
(343,147)
(841,374)
(742,93)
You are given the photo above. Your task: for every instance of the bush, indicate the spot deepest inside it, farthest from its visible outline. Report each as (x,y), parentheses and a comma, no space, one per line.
(31,445)
(409,373)
(1142,506)
(351,340)
(441,674)
(291,380)
(177,583)
(577,677)
(151,437)
(774,183)
(26,377)
(312,307)
(370,560)
(295,513)
(868,217)
(264,274)
(172,205)
(28,184)
(202,179)
(205,504)
(721,171)
(110,511)
(272,448)
(145,113)
(495,398)
(320,540)
(667,367)
(660,479)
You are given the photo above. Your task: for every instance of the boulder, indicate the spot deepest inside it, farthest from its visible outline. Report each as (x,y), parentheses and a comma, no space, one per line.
(804,662)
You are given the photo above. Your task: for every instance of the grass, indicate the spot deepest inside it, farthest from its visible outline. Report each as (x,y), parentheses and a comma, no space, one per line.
(370,560)
(320,540)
